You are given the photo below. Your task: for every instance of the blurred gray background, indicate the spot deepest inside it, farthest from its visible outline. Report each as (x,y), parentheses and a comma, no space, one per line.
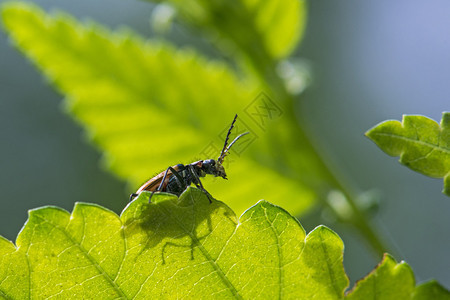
(371,60)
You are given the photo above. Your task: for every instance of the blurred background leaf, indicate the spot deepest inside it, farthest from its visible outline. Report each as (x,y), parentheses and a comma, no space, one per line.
(149,106)
(421,143)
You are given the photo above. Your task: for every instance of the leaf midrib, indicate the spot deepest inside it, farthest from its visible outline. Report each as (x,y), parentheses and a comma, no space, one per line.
(2,294)
(206,255)
(280,254)
(436,147)
(329,266)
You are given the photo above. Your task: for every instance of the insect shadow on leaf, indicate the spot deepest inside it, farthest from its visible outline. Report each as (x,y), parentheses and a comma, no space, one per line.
(170,220)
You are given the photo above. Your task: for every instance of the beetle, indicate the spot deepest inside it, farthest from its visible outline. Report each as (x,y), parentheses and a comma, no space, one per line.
(177,178)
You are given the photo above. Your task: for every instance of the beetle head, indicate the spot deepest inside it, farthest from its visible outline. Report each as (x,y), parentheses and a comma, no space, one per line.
(213,167)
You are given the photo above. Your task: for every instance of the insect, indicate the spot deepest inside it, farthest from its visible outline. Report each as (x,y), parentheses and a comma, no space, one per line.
(177,178)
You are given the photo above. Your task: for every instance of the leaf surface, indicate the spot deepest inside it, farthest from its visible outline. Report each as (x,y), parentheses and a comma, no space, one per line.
(187,248)
(388,281)
(149,106)
(422,144)
(171,248)
(431,290)
(391,281)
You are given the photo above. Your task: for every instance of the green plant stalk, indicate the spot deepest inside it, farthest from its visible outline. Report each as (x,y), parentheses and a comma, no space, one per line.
(264,66)
(359,218)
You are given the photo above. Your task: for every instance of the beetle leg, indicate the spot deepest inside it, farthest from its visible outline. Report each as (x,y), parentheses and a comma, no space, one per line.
(198,183)
(132,196)
(180,180)
(161,184)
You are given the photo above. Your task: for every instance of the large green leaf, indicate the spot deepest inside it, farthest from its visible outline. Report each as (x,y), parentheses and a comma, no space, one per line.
(149,106)
(422,144)
(255,26)
(169,249)
(189,248)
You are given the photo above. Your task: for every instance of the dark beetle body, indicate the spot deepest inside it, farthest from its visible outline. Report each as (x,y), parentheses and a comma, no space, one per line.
(189,174)
(177,178)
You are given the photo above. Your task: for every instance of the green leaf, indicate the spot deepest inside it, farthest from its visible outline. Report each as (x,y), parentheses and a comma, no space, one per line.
(422,144)
(187,247)
(149,106)
(431,290)
(171,248)
(14,272)
(388,281)
(271,26)
(392,280)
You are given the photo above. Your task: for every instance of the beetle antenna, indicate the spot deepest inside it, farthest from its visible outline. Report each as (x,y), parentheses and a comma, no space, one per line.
(226,139)
(222,156)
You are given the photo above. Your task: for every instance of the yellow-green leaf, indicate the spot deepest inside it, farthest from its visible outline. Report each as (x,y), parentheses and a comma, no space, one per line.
(171,248)
(391,281)
(388,281)
(422,144)
(149,106)
(188,248)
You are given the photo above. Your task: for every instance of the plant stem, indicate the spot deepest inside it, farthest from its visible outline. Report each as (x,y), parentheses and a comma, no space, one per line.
(359,219)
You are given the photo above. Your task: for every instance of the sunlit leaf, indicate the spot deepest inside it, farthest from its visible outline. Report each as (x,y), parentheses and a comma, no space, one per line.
(149,106)
(190,248)
(14,272)
(187,247)
(171,248)
(422,144)
(389,280)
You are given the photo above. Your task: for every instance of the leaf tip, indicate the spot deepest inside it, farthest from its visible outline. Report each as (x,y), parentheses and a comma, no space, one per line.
(87,206)
(325,232)
(431,290)
(44,210)
(446,189)
(6,244)
(445,122)
(12,9)
(401,267)
(12,5)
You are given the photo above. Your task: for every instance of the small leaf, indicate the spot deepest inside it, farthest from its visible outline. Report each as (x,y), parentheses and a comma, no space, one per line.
(431,290)
(171,248)
(421,143)
(149,106)
(392,280)
(389,280)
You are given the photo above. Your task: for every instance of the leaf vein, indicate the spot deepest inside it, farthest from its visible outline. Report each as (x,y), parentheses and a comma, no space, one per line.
(208,257)
(88,256)
(408,139)
(280,254)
